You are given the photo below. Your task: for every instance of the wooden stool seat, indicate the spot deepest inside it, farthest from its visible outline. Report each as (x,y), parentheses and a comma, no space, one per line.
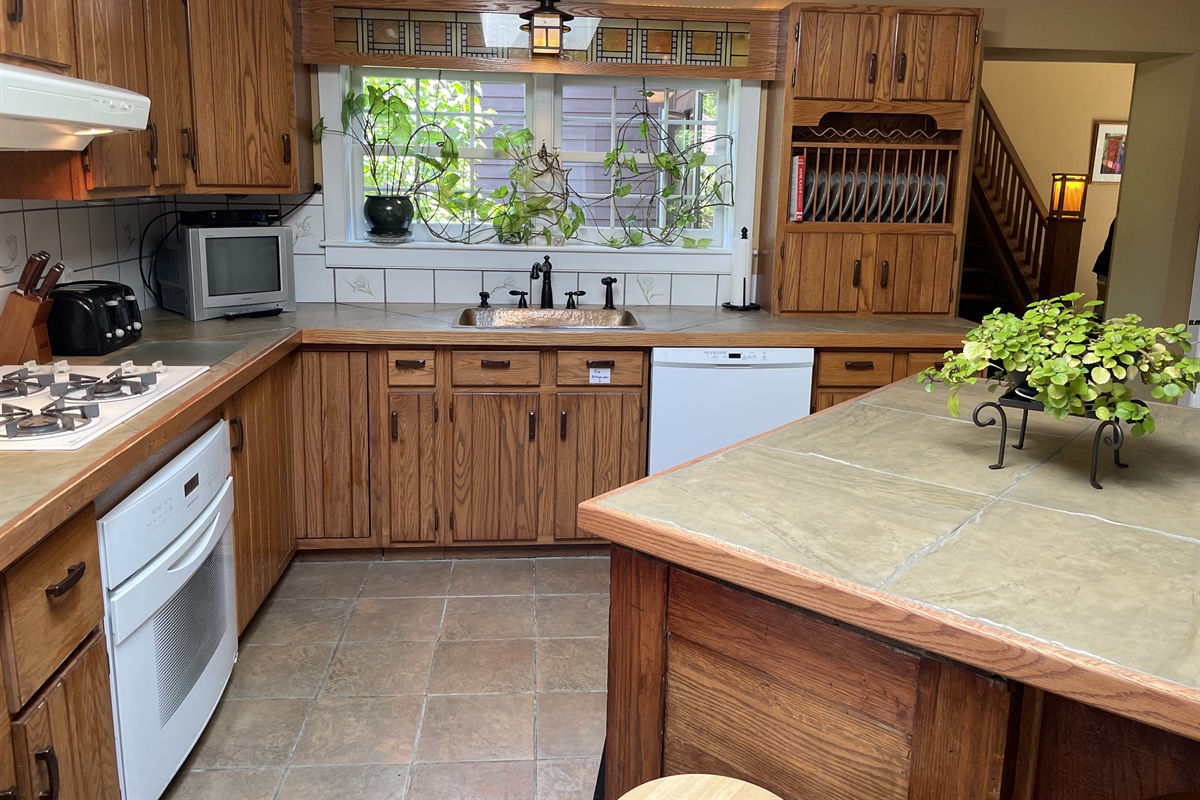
(698,787)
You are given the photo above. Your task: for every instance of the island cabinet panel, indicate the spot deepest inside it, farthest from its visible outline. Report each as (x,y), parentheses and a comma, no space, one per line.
(600,447)
(330,388)
(495,466)
(263,527)
(412,420)
(39,34)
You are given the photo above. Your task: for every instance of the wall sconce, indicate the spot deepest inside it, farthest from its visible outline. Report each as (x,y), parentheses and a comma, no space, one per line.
(546,28)
(1067,195)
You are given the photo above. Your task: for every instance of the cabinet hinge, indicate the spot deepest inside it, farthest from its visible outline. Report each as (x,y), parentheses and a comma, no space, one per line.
(435,412)
(796,32)
(781,247)
(793,77)
(976,32)
(85,159)
(971,85)
(641,413)
(955,256)
(452,420)
(779,294)
(451,520)
(436,521)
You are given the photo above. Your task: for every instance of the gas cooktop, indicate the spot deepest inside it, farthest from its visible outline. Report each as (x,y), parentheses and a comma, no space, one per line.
(63,407)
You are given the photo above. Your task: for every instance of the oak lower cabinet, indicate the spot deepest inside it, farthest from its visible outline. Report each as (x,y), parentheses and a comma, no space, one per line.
(332,430)
(39,34)
(412,467)
(842,375)
(260,419)
(64,743)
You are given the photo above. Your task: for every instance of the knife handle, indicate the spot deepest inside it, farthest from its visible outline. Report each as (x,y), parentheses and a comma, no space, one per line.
(50,281)
(33,271)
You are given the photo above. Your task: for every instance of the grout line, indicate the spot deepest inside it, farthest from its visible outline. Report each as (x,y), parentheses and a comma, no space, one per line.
(537,637)
(408,776)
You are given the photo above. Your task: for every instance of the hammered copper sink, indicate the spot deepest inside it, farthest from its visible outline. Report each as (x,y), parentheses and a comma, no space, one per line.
(558,318)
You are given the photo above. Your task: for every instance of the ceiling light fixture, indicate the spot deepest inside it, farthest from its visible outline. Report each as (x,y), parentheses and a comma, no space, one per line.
(546,28)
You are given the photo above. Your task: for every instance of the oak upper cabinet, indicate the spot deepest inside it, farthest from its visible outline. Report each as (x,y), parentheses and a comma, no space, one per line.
(495,465)
(913,274)
(243,92)
(263,530)
(171,130)
(64,743)
(413,418)
(935,56)
(331,431)
(822,271)
(837,55)
(39,34)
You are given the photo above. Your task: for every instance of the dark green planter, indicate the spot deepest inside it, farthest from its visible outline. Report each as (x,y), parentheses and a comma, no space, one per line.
(389,218)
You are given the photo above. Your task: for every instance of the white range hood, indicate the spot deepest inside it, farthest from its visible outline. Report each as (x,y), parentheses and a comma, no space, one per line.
(44,111)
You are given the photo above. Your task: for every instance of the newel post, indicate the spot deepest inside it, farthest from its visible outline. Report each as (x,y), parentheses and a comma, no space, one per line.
(1060,256)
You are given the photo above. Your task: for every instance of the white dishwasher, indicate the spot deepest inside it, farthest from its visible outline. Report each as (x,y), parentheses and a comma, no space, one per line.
(703,399)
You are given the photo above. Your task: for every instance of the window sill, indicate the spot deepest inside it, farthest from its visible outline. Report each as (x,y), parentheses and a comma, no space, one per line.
(577,258)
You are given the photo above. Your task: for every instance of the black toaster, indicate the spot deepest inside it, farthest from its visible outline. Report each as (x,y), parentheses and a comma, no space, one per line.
(91,318)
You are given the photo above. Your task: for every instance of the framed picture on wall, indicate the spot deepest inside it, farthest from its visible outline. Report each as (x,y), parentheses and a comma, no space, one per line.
(1108,151)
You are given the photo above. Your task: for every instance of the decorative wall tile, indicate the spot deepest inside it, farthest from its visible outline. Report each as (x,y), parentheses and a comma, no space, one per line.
(129,231)
(102,221)
(13,252)
(453,286)
(410,286)
(590,283)
(308,230)
(76,236)
(693,290)
(158,227)
(41,233)
(648,290)
(358,286)
(313,282)
(501,283)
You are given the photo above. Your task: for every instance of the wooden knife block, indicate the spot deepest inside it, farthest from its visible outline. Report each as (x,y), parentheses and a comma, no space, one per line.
(23,335)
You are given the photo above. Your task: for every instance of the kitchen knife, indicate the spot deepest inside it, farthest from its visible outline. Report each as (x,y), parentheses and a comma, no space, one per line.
(31,273)
(50,281)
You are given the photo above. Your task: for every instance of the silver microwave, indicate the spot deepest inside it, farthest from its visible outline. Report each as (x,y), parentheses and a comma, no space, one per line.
(210,272)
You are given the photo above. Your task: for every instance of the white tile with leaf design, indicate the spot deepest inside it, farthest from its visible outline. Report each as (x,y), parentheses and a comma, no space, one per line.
(13,252)
(359,286)
(648,290)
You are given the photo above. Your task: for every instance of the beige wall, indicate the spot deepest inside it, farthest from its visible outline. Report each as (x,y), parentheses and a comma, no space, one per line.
(1048,109)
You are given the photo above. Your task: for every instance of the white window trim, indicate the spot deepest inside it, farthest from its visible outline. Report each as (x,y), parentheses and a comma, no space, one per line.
(342,249)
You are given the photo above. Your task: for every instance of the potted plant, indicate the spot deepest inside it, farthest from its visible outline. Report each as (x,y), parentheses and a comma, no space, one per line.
(1072,362)
(408,155)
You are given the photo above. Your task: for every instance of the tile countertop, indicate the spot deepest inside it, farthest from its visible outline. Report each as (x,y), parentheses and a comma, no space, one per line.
(39,491)
(883,513)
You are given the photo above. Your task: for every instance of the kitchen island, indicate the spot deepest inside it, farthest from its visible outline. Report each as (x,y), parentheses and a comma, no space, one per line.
(855,605)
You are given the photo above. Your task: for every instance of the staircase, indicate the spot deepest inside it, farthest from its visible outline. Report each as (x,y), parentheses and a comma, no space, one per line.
(1015,251)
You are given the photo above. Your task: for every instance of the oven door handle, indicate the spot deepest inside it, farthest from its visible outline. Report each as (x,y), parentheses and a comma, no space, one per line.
(200,547)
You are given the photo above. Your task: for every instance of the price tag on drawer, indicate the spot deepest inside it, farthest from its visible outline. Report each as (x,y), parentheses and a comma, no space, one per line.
(599,375)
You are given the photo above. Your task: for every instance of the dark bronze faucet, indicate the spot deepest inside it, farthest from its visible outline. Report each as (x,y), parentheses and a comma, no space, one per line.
(543,270)
(608,291)
(571,298)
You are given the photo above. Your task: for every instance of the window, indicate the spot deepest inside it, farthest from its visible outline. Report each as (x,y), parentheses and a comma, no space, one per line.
(580,120)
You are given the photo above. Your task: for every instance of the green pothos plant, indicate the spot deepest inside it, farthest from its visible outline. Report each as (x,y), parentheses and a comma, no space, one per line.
(1077,363)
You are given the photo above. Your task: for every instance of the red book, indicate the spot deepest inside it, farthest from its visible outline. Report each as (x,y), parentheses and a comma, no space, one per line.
(798,189)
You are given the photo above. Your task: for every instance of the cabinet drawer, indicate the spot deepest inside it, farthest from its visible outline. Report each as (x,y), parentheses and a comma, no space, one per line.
(497,368)
(410,368)
(52,599)
(624,367)
(854,369)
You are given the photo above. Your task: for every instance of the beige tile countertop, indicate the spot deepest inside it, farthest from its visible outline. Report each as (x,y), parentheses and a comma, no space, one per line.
(40,490)
(883,513)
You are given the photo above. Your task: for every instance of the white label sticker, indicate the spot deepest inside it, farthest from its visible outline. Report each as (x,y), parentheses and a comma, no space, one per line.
(600,375)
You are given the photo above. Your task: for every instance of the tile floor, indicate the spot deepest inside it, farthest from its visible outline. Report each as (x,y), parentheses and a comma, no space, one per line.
(470,679)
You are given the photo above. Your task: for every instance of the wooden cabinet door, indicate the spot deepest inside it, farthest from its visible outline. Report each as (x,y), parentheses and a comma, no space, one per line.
(837,56)
(935,56)
(170,90)
(263,533)
(827,398)
(243,92)
(412,417)
(333,432)
(822,271)
(111,40)
(600,447)
(914,273)
(495,467)
(8,767)
(70,730)
(39,34)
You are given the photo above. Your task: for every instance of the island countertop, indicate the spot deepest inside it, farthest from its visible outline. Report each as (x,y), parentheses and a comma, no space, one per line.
(882,513)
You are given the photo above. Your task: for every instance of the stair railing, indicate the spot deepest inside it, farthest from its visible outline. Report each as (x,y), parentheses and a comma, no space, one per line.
(1040,244)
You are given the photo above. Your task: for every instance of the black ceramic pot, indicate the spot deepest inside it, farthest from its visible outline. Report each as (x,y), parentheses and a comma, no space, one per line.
(389,217)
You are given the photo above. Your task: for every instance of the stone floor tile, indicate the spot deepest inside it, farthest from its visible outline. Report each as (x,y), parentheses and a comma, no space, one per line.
(491,576)
(299,622)
(479,780)
(359,782)
(567,778)
(570,724)
(391,619)
(572,575)
(359,730)
(407,579)
(488,618)
(485,727)
(571,615)
(379,668)
(482,666)
(249,733)
(279,670)
(244,784)
(572,665)
(325,579)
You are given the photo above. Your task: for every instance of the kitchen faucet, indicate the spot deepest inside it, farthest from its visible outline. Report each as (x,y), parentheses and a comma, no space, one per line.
(608,292)
(543,270)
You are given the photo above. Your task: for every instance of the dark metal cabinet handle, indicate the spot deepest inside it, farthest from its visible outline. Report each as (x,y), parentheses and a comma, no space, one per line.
(152,153)
(240,443)
(395,426)
(18,11)
(900,73)
(11,793)
(48,755)
(487,363)
(601,364)
(883,276)
(562,426)
(74,575)
(532,425)
(287,148)
(874,61)
(410,363)
(860,365)
(189,147)
(857,271)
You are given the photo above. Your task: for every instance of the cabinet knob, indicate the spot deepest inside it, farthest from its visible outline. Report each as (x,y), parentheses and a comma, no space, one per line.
(74,575)
(287,148)
(903,68)
(883,276)
(494,363)
(860,366)
(857,271)
(48,755)
(874,61)
(562,426)
(236,424)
